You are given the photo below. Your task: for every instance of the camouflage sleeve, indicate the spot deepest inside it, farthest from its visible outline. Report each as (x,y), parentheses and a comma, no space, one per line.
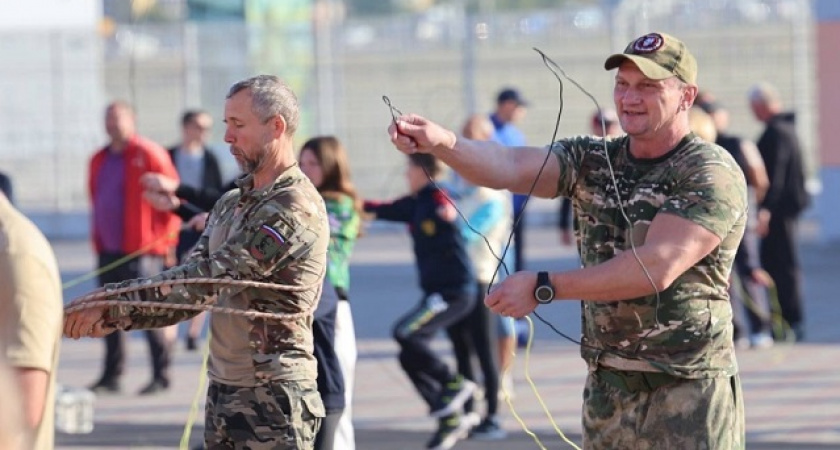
(568,154)
(713,194)
(277,233)
(199,250)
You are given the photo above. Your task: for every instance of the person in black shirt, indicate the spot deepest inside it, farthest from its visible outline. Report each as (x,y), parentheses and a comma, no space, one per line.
(447,281)
(785,200)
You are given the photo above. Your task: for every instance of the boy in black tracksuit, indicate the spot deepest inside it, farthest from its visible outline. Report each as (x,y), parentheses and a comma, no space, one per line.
(447,281)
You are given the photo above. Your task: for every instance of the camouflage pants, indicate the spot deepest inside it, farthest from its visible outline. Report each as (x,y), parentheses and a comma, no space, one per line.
(281,415)
(689,414)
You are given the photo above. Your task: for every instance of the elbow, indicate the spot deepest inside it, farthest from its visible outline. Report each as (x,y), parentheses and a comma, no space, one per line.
(33,418)
(661,275)
(663,280)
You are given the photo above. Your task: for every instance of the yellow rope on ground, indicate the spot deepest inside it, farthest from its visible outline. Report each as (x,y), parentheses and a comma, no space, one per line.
(115,264)
(534,386)
(509,401)
(199,392)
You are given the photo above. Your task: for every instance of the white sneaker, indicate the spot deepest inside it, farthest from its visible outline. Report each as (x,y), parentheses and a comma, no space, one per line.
(472,419)
(761,341)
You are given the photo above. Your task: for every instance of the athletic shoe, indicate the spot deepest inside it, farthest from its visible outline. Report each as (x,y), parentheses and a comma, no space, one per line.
(105,386)
(761,340)
(450,430)
(472,419)
(488,430)
(453,396)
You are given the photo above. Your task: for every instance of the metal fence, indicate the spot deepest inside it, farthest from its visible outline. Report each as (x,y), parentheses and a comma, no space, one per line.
(443,63)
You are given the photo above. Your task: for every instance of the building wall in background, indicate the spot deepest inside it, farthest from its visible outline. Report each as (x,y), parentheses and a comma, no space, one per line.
(443,62)
(50,111)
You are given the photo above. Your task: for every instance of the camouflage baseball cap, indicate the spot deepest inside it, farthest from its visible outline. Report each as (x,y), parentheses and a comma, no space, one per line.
(658,56)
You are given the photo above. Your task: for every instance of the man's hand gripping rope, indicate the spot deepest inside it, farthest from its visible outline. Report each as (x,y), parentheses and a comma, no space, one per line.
(84,316)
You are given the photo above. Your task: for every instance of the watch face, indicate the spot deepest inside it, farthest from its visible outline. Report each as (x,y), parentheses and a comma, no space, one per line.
(544,294)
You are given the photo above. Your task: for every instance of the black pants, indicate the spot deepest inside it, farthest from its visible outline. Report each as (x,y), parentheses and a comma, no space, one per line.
(780,258)
(414,332)
(476,335)
(325,439)
(159,349)
(750,301)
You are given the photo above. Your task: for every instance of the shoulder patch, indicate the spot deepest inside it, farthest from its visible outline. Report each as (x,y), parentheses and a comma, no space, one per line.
(267,243)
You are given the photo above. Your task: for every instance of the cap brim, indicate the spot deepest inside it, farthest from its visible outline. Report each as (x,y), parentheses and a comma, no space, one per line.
(649,68)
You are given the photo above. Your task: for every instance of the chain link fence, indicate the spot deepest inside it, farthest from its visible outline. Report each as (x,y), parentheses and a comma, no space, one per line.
(444,63)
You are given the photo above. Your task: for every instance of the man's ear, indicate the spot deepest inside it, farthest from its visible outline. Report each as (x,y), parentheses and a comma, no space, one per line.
(689,95)
(279,126)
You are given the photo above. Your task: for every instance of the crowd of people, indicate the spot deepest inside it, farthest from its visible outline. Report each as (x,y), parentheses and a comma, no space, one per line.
(712,230)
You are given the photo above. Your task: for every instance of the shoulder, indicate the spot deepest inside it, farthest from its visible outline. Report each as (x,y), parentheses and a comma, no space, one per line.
(578,147)
(699,153)
(210,155)
(145,144)
(98,155)
(701,165)
(232,195)
(295,197)
(23,242)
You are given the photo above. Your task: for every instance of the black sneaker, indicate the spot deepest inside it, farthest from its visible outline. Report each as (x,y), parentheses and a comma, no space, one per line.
(453,396)
(450,430)
(488,430)
(155,387)
(105,387)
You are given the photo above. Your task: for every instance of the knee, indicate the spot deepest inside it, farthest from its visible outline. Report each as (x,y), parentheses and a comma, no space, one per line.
(401,334)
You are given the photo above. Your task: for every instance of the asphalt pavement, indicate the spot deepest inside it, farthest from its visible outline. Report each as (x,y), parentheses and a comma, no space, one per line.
(792,392)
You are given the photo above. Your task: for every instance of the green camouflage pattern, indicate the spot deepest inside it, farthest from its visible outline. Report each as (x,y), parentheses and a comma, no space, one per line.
(272,416)
(277,234)
(698,181)
(703,414)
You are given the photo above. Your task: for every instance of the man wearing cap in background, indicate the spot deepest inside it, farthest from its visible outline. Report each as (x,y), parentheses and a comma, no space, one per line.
(657,242)
(510,108)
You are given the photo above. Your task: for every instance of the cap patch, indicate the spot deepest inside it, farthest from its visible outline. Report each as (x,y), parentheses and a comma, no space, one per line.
(267,243)
(648,43)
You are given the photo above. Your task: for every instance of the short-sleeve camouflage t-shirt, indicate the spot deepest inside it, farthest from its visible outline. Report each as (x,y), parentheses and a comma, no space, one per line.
(687,328)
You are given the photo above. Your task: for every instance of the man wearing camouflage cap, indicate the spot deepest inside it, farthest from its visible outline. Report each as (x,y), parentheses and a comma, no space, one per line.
(660,214)
(273,229)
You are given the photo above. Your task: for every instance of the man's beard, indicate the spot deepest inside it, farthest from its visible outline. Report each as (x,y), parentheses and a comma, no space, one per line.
(250,165)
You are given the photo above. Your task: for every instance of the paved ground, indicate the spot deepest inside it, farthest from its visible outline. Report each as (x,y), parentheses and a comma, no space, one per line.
(792,393)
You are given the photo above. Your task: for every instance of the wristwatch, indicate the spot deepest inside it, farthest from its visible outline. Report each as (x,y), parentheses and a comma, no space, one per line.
(544,292)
